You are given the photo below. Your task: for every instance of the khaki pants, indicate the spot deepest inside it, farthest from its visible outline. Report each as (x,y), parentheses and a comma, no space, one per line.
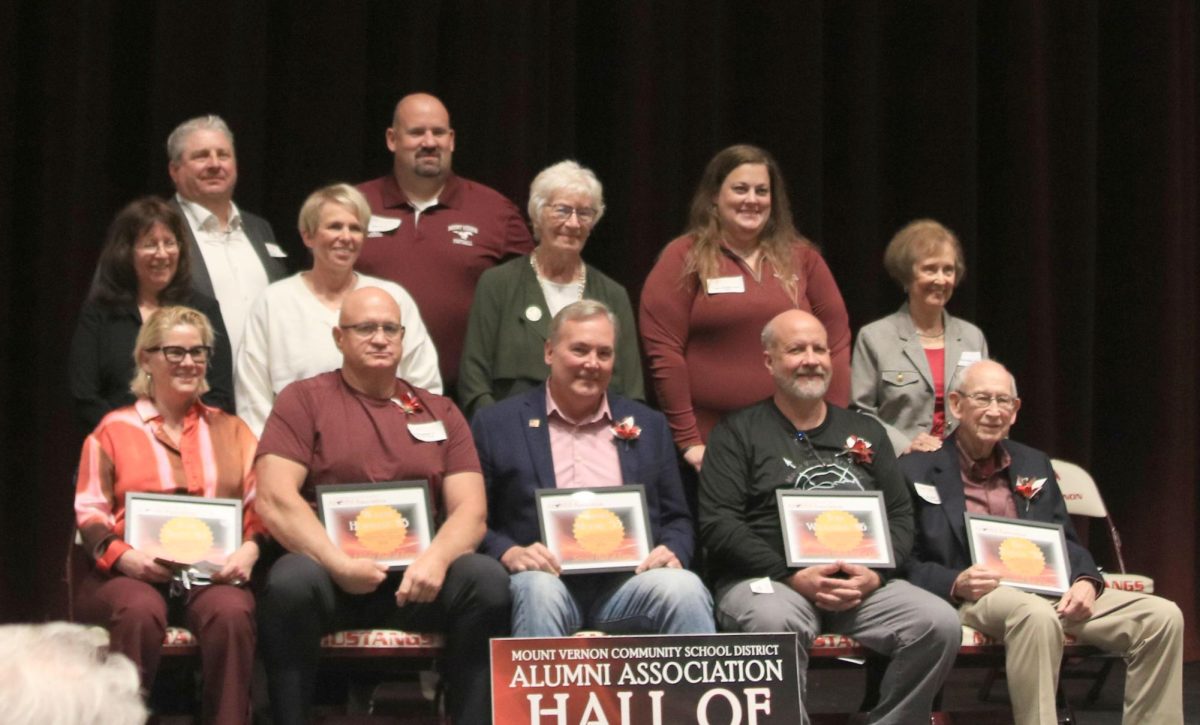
(1146,630)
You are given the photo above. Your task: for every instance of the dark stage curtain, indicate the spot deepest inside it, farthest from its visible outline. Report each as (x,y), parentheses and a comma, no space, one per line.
(1058,139)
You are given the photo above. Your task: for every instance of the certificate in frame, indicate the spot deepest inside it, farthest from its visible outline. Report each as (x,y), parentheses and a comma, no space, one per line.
(822,527)
(391,523)
(594,530)
(1029,555)
(181,531)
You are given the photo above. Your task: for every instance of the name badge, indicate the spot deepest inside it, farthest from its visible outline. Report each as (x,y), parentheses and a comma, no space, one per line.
(378,225)
(762,586)
(430,432)
(969,357)
(275,250)
(928,493)
(726,285)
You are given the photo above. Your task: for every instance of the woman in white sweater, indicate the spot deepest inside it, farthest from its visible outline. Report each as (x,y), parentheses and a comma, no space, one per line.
(288,334)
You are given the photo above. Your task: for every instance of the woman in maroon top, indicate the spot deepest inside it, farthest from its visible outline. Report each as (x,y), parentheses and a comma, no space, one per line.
(713,290)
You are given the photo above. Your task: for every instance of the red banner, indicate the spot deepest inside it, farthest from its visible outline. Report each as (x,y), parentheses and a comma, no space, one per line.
(722,679)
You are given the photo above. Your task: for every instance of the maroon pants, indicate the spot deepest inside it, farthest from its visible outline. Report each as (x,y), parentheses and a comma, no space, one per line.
(221,617)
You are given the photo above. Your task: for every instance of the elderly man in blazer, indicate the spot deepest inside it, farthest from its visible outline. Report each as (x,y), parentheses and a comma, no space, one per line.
(234,253)
(979,471)
(571,433)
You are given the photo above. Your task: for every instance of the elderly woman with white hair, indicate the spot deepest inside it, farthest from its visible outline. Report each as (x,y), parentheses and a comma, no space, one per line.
(514,302)
(289,333)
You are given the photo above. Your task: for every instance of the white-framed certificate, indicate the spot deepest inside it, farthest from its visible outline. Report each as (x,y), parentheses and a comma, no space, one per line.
(181,531)
(1029,555)
(391,523)
(595,529)
(824,527)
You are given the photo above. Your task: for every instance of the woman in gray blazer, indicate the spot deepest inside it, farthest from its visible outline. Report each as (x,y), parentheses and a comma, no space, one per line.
(904,364)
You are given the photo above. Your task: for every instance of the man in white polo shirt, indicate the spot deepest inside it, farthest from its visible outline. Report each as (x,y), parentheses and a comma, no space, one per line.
(234,255)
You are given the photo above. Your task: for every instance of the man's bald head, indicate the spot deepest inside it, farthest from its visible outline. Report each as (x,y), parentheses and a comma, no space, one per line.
(421,141)
(796,352)
(369,335)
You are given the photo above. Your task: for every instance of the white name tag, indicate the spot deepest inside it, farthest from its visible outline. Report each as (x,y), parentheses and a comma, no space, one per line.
(380,224)
(430,432)
(762,586)
(275,250)
(928,493)
(726,285)
(969,357)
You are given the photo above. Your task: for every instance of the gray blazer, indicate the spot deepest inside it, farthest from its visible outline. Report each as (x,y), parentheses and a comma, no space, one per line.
(258,231)
(890,378)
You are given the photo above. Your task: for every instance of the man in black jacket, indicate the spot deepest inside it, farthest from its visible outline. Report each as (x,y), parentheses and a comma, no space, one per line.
(979,471)
(796,440)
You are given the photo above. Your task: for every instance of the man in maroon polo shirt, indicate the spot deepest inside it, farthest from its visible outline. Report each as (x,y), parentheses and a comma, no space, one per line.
(433,232)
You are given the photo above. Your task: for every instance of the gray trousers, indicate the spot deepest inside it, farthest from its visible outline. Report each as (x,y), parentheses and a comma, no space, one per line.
(919,632)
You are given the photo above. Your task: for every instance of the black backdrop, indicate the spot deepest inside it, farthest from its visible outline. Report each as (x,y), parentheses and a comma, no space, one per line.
(1058,139)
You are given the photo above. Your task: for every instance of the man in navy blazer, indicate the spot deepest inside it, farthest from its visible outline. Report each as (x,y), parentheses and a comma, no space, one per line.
(570,433)
(979,471)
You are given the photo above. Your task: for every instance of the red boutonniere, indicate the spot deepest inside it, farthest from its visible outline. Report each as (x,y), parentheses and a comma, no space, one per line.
(626,430)
(1029,487)
(410,403)
(859,450)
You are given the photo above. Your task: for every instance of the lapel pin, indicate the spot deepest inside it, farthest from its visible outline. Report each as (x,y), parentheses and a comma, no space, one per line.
(535,423)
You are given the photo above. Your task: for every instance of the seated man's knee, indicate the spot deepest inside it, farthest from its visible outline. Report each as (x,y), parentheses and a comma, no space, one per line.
(484,578)
(741,611)
(294,583)
(537,589)
(1034,613)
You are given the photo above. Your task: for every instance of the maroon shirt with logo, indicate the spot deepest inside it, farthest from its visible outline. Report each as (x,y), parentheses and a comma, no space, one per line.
(439,254)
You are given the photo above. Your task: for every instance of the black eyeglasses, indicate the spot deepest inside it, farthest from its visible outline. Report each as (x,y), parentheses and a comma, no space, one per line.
(175,353)
(367,330)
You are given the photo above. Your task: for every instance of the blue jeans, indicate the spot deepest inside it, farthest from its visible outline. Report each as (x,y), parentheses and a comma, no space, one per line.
(658,601)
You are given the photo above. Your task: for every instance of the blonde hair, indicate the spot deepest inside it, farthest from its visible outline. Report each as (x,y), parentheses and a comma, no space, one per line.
(154,329)
(343,195)
(778,237)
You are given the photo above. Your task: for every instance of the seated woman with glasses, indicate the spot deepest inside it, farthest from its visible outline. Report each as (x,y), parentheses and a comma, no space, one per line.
(168,442)
(288,334)
(143,266)
(905,363)
(515,301)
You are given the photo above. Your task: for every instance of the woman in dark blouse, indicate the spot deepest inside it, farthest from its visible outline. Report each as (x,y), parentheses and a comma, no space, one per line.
(144,266)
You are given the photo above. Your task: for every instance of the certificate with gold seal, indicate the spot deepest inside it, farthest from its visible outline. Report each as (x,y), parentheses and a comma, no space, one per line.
(391,523)
(181,531)
(1029,555)
(595,529)
(821,527)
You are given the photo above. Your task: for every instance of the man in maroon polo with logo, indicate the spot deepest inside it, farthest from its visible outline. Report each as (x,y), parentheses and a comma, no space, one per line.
(433,232)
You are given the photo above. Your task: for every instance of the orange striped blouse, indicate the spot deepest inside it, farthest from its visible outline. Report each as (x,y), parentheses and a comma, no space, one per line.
(129,451)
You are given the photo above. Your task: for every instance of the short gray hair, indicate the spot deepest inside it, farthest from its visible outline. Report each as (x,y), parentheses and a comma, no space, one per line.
(343,195)
(180,135)
(581,310)
(564,176)
(64,674)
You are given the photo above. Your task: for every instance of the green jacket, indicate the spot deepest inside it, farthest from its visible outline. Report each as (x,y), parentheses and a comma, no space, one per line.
(503,352)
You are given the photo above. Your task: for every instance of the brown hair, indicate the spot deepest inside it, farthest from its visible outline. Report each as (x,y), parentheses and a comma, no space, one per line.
(778,236)
(917,240)
(116,281)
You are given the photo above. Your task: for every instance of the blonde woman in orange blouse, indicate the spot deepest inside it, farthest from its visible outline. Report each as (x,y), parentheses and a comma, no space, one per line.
(168,442)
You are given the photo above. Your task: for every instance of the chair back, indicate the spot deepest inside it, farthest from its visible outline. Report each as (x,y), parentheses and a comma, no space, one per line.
(1079,490)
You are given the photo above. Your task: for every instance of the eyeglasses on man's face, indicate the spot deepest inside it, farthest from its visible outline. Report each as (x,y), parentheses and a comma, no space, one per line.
(175,354)
(563,212)
(367,330)
(983,400)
